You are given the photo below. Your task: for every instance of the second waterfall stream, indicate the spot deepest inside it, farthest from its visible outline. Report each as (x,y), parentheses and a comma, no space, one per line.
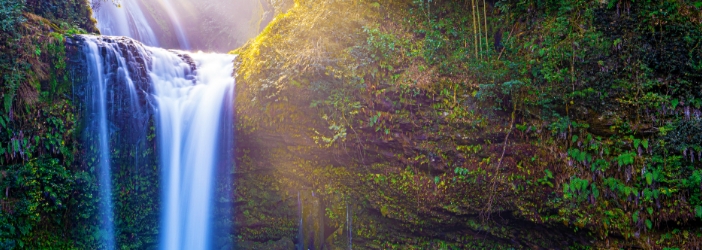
(191,98)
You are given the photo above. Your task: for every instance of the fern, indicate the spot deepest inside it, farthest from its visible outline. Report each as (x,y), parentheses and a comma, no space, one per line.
(11,14)
(12,82)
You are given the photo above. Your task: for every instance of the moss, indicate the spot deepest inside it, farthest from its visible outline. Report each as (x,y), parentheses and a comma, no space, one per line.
(429,134)
(46,199)
(566,124)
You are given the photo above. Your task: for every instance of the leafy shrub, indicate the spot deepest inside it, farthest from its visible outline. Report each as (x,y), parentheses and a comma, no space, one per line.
(11,14)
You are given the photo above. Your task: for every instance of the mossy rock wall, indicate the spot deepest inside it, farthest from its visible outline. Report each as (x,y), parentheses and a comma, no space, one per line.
(132,138)
(49,153)
(491,124)
(48,199)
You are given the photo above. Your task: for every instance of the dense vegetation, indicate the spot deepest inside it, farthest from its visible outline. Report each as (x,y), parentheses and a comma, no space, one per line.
(47,200)
(393,124)
(451,116)
(50,195)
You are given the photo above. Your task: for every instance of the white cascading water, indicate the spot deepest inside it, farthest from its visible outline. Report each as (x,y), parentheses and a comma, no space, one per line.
(173,15)
(96,75)
(127,19)
(188,126)
(193,95)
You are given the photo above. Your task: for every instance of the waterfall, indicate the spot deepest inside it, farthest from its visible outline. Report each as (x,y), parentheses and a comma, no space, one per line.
(96,75)
(190,95)
(300,228)
(127,19)
(189,107)
(173,15)
(190,98)
(349,228)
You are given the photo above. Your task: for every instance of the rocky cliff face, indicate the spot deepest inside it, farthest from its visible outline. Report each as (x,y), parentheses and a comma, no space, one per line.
(381,184)
(116,91)
(48,200)
(403,116)
(130,116)
(360,126)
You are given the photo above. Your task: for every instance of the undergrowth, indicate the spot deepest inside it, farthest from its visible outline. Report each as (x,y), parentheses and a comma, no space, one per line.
(582,114)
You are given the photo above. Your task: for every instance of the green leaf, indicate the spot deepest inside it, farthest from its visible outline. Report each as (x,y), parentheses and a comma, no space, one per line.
(674,103)
(636,143)
(635,217)
(575,138)
(644,143)
(650,210)
(583,156)
(522,127)
(626,158)
(649,224)
(548,173)
(595,191)
(649,178)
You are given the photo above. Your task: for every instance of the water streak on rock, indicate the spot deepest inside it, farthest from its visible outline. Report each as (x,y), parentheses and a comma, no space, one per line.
(127,19)
(191,96)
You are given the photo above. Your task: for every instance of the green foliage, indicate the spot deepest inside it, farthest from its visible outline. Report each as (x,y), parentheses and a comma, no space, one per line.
(47,186)
(579,156)
(11,14)
(12,81)
(383,47)
(626,158)
(594,92)
(546,180)
(47,200)
(578,189)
